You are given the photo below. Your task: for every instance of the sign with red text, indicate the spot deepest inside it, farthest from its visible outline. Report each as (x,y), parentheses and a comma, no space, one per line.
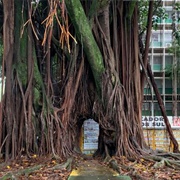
(157,122)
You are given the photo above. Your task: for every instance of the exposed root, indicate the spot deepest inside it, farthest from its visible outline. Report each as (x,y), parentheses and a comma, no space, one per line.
(134,173)
(112,164)
(163,161)
(26,172)
(67,165)
(41,169)
(170,155)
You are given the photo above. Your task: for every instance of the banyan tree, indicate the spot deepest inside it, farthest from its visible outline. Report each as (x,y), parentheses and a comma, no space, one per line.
(65,61)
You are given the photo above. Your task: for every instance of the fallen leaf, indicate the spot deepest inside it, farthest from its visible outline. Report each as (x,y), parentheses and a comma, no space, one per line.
(34,156)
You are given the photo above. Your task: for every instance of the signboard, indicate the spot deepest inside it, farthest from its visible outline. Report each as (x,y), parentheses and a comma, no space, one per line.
(91,133)
(157,122)
(158,138)
(154,133)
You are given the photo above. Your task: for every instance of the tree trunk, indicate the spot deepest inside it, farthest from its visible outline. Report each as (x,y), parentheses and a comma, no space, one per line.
(49,96)
(147,41)
(119,112)
(85,36)
(8,41)
(29,91)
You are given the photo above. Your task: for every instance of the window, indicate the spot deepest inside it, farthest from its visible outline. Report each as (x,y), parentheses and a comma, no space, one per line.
(169,17)
(178,109)
(168,60)
(168,97)
(159,84)
(148,97)
(157,65)
(168,86)
(146,110)
(168,107)
(157,111)
(156,39)
(147,90)
(168,39)
(178,90)
(147,106)
(158,74)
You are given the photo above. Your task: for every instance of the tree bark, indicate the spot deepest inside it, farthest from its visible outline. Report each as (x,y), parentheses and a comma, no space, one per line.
(8,41)
(148,36)
(85,36)
(30,72)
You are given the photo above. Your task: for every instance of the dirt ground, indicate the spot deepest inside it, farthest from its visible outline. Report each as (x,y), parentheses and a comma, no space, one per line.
(43,168)
(33,168)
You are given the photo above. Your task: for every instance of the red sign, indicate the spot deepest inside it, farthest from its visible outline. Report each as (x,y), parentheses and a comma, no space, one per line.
(176,121)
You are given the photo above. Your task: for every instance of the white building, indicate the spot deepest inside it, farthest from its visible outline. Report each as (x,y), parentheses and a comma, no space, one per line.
(160,58)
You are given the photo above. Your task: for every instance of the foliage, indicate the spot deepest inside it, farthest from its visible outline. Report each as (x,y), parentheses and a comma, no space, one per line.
(158,15)
(177,6)
(171,70)
(143,13)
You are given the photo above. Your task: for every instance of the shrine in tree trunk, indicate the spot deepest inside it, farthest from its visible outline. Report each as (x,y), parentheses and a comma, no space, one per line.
(89,136)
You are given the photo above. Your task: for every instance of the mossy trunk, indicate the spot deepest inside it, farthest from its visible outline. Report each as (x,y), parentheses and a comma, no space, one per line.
(86,38)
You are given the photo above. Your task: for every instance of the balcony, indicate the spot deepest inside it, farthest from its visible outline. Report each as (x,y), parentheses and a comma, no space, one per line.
(147,91)
(157,67)
(156,44)
(168,21)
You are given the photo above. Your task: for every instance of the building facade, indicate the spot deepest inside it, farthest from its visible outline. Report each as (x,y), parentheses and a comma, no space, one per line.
(161,59)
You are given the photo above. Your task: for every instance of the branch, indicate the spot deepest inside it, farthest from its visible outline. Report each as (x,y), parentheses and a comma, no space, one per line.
(148,35)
